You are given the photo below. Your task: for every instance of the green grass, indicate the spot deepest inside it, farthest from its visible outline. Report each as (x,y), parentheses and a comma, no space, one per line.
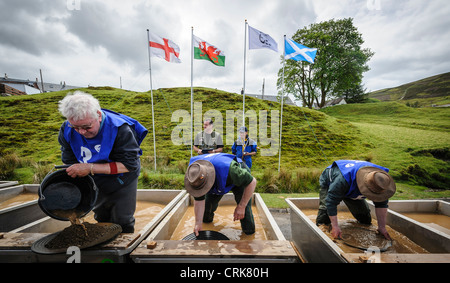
(423,93)
(404,192)
(413,143)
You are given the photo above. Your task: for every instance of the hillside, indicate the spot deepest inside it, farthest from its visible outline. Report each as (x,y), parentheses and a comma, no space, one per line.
(434,90)
(386,133)
(30,124)
(415,142)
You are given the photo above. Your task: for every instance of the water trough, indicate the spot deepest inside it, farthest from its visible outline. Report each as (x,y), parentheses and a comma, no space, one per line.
(165,243)
(18,205)
(435,214)
(314,245)
(152,206)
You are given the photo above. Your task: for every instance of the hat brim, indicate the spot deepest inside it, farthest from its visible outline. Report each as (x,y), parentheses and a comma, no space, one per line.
(207,185)
(385,195)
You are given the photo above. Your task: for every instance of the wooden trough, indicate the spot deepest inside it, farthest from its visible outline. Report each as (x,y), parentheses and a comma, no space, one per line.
(267,244)
(314,245)
(15,246)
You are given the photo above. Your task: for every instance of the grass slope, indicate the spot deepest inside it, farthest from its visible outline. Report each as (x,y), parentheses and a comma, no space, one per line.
(30,125)
(422,93)
(413,142)
(388,133)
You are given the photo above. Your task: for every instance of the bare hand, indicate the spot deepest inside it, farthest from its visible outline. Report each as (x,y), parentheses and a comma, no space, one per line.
(79,170)
(239,213)
(385,233)
(197,228)
(336,232)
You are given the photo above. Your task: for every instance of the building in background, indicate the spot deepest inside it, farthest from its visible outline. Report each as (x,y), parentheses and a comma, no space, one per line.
(10,86)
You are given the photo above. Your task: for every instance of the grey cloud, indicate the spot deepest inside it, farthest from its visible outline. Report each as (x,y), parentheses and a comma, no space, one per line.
(32,26)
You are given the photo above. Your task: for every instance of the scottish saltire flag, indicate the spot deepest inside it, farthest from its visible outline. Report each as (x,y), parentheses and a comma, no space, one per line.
(298,52)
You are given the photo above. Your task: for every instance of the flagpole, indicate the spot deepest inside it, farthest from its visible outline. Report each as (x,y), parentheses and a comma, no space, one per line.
(192,86)
(245,63)
(151,94)
(282,102)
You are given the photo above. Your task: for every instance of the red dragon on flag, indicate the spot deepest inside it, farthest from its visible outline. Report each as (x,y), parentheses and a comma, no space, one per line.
(205,51)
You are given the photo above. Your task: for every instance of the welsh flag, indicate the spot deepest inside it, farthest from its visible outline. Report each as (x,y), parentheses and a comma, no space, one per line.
(205,51)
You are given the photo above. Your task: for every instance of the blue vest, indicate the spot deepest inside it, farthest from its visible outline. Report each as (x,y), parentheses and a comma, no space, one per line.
(349,168)
(99,148)
(221,162)
(249,147)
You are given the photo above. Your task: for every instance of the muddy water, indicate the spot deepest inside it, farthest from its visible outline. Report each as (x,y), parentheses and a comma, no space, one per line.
(145,212)
(365,235)
(223,223)
(438,221)
(19,199)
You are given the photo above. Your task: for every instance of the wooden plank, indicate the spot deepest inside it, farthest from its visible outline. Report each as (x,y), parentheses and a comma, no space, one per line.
(19,241)
(404,258)
(123,241)
(254,248)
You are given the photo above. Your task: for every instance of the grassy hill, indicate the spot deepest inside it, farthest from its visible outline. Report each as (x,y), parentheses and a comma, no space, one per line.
(414,142)
(434,90)
(387,133)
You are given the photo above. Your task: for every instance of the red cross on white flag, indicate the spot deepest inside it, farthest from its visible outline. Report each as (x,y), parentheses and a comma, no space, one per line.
(164,48)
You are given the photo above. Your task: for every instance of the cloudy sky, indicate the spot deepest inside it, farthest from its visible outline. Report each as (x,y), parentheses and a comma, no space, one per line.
(95,42)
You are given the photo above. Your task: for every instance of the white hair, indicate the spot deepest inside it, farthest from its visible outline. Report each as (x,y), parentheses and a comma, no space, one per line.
(78,106)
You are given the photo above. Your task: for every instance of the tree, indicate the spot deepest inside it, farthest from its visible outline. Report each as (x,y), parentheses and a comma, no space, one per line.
(338,67)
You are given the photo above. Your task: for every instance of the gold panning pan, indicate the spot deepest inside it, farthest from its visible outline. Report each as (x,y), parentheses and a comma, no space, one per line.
(364,239)
(59,242)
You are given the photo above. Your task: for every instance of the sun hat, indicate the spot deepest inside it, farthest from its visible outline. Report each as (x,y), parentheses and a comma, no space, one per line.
(375,183)
(199,178)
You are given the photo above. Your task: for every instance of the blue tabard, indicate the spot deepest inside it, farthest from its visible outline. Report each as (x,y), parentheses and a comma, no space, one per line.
(99,148)
(349,168)
(221,162)
(250,147)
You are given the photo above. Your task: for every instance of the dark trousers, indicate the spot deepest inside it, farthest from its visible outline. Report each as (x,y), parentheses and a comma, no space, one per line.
(212,202)
(118,207)
(359,208)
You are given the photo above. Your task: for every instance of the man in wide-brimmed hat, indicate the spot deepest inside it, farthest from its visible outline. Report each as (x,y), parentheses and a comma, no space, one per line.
(352,181)
(209,177)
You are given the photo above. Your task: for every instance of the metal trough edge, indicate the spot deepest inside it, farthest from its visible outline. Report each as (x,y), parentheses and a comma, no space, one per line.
(166,227)
(315,246)
(94,255)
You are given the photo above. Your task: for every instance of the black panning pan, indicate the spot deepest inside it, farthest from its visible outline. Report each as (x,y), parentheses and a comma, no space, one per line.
(61,195)
(206,235)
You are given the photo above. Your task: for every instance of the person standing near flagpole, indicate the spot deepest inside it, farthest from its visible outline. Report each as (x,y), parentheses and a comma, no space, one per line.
(208,141)
(244,147)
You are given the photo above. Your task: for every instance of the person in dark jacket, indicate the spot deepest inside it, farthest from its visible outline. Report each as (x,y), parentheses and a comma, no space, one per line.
(352,181)
(106,145)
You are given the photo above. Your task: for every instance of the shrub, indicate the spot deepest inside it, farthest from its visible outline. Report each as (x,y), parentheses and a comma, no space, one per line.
(8,163)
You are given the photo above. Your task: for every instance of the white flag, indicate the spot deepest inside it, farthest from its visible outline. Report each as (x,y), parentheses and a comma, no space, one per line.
(164,48)
(258,39)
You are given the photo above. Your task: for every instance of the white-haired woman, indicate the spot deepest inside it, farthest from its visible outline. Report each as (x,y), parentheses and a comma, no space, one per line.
(106,145)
